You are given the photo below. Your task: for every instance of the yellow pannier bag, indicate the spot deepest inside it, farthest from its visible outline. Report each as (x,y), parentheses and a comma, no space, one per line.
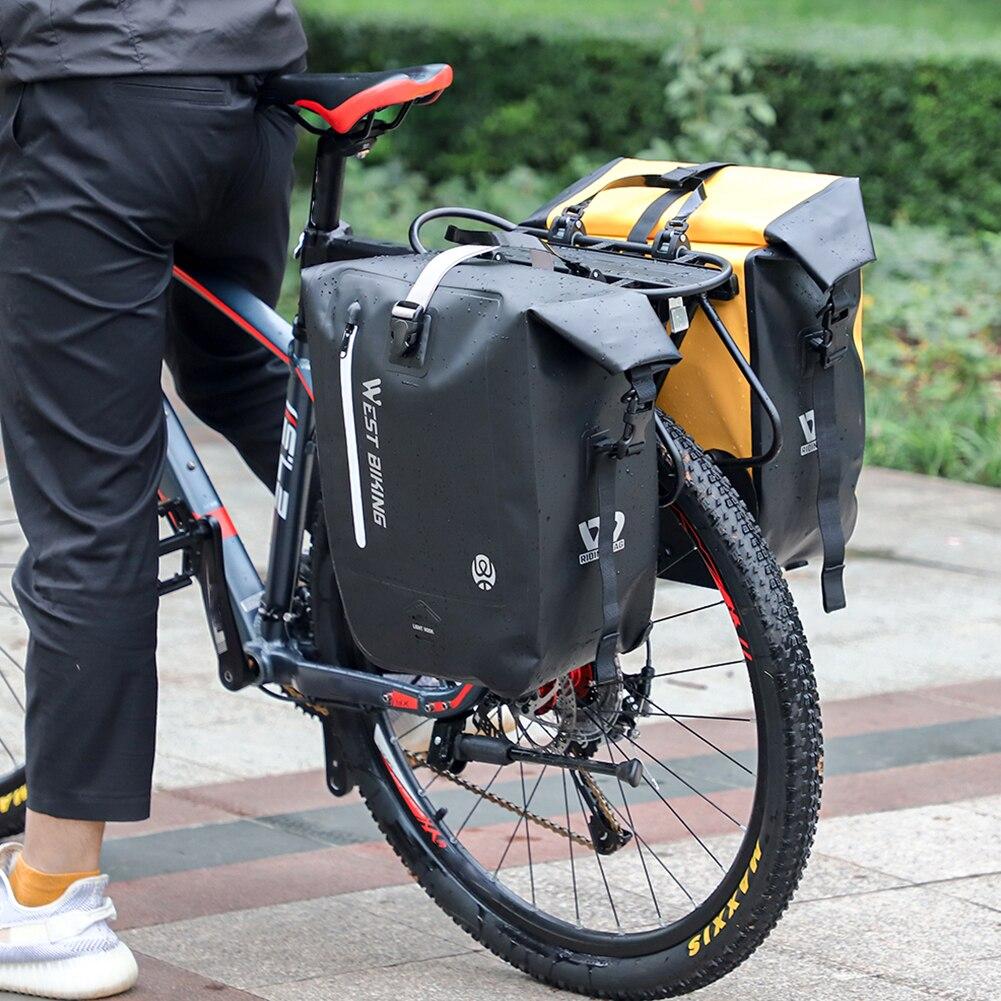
(797,243)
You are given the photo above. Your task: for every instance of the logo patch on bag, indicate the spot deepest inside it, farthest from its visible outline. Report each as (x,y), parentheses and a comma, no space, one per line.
(484,572)
(371,399)
(589,532)
(809,426)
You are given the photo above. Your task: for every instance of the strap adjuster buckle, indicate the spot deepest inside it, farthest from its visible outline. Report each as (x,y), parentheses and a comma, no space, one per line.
(634,423)
(406,310)
(823,342)
(824,337)
(672,240)
(567,225)
(406,325)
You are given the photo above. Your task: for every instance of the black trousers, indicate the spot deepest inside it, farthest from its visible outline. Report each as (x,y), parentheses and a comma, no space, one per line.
(104,184)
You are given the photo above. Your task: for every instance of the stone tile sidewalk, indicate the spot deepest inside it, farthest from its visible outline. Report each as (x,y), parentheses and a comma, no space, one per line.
(250,882)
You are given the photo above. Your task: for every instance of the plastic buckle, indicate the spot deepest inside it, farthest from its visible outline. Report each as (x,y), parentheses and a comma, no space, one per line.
(683,179)
(566,226)
(823,338)
(406,324)
(634,424)
(822,341)
(671,240)
(830,355)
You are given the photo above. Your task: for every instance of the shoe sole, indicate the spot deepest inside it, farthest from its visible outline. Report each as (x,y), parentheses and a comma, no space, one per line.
(80,978)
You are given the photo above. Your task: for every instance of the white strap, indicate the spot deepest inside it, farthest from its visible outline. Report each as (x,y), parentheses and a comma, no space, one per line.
(59,927)
(419,296)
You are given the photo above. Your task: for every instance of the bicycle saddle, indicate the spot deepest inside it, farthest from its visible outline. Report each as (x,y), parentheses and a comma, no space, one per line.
(343,99)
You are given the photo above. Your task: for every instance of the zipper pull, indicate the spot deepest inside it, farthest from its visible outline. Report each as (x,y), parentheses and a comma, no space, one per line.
(351,327)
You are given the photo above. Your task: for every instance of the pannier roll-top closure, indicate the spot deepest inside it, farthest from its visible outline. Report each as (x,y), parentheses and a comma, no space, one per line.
(791,326)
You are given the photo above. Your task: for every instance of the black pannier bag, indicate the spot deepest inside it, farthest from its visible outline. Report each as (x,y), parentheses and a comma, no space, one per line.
(467,417)
(797,243)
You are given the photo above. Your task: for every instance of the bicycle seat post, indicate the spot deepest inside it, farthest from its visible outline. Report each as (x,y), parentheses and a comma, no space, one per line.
(324,223)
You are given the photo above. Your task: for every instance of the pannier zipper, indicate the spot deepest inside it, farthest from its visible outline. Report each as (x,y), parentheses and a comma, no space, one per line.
(350,434)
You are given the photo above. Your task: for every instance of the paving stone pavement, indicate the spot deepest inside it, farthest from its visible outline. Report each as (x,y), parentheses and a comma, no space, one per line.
(250,882)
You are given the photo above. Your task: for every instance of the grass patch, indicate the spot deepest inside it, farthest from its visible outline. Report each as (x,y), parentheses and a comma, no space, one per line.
(932,322)
(933,354)
(850,28)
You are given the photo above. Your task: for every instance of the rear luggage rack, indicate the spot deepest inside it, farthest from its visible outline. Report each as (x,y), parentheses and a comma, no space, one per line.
(604,260)
(676,279)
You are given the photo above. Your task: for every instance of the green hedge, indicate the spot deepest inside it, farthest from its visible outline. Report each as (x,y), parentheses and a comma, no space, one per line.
(922,136)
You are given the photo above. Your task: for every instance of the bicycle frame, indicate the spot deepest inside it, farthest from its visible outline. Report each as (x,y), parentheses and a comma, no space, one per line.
(249,618)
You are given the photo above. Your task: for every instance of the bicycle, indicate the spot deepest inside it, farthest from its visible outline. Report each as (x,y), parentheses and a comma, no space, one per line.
(639,843)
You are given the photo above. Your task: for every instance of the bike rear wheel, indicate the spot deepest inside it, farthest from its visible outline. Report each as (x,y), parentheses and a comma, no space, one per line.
(583,882)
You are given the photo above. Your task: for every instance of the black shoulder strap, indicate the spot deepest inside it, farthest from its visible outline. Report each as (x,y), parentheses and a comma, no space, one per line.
(605,473)
(824,340)
(605,456)
(678,181)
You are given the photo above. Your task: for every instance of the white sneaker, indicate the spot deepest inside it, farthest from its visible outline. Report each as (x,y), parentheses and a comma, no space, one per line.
(64,949)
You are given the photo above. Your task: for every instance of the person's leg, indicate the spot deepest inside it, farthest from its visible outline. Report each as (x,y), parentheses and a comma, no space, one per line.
(58,853)
(57,845)
(229,381)
(91,201)
(82,281)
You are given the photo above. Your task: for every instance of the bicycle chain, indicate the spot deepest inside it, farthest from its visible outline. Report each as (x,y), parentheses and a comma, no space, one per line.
(416,761)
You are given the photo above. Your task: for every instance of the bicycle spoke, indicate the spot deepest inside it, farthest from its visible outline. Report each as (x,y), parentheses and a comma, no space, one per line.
(528,833)
(413,729)
(12,658)
(482,796)
(724,719)
(10,604)
(683,781)
(521,817)
(3,676)
(9,752)
(573,867)
(636,833)
(705,740)
(682,821)
(646,844)
(632,827)
(691,611)
(597,856)
(675,561)
(704,667)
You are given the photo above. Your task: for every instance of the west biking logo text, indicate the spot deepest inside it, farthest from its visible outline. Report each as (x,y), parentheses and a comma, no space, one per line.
(589,533)
(371,391)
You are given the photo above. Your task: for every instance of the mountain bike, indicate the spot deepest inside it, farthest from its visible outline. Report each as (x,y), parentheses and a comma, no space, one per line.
(632,840)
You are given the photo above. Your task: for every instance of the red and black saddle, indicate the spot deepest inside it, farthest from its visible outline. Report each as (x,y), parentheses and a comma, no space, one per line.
(342,100)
